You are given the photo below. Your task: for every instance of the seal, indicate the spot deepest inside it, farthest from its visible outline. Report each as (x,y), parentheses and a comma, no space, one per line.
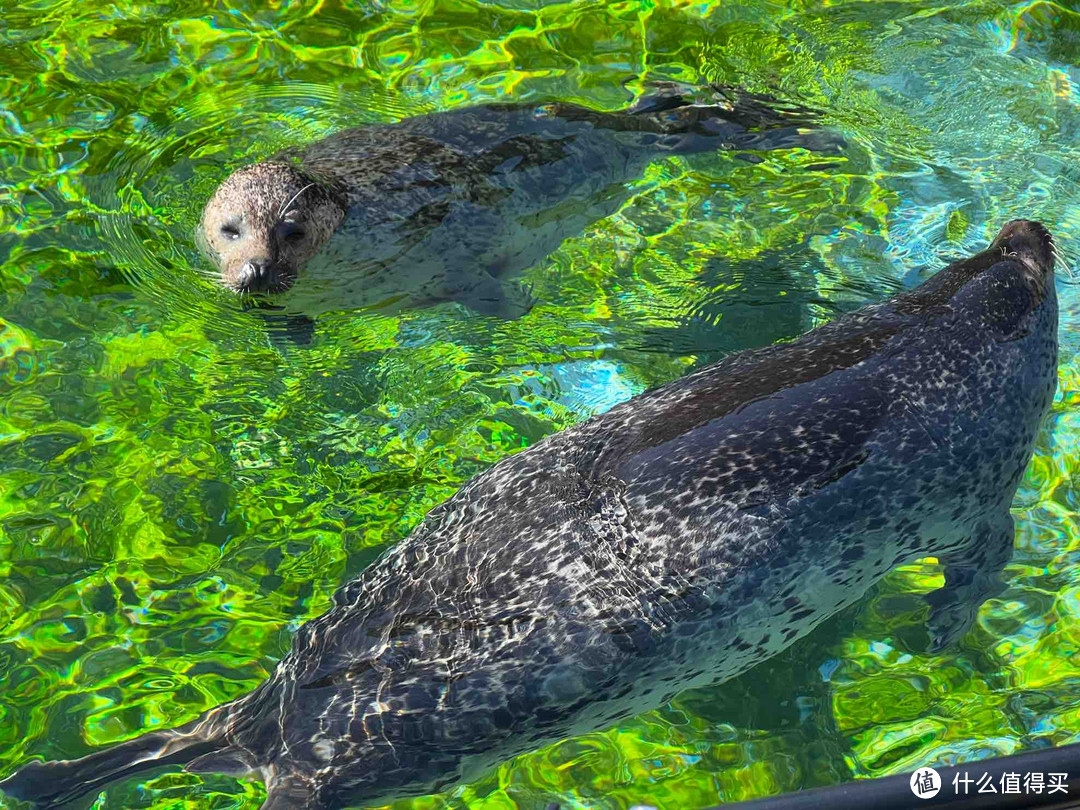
(450,206)
(675,541)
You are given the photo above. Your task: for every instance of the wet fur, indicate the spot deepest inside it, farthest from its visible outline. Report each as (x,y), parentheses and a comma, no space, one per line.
(675,541)
(450,206)
(259,198)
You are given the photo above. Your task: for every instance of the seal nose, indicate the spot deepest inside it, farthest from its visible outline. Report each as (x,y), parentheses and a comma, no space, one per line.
(1027,238)
(1023,227)
(256,276)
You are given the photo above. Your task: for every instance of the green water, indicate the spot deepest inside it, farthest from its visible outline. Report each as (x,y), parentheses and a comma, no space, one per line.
(178,494)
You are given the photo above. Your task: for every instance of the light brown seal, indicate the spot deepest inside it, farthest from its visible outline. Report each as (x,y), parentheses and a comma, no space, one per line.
(450,206)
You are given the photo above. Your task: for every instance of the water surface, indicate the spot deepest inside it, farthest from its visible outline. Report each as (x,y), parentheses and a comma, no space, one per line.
(178,493)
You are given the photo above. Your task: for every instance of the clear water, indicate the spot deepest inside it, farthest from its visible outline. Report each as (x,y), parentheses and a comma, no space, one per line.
(177,495)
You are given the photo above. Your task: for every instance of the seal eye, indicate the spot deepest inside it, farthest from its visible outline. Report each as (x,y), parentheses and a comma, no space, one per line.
(294,235)
(230,232)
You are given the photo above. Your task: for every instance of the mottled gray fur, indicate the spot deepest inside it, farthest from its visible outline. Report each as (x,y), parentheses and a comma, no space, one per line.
(450,206)
(675,541)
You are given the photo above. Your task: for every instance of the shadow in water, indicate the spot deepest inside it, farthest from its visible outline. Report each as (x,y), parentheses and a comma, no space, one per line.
(741,304)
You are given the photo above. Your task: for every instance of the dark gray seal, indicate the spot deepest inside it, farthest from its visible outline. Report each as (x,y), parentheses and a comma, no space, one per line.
(450,206)
(675,541)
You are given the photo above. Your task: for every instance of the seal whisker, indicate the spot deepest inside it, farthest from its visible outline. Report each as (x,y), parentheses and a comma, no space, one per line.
(1061,259)
(1064,261)
(285,207)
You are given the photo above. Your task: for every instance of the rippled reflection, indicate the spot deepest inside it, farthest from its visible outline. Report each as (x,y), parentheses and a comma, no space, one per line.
(178,490)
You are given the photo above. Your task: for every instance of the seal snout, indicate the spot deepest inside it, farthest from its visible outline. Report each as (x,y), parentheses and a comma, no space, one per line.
(1027,240)
(257,276)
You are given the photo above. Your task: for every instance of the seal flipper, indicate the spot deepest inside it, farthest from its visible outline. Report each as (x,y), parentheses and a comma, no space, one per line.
(504,299)
(283,329)
(972,575)
(695,116)
(664,96)
(50,784)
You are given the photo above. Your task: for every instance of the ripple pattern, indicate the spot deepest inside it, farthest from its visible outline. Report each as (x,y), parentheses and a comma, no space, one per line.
(178,492)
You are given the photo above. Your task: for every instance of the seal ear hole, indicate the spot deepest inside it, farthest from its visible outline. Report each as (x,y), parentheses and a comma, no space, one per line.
(230,231)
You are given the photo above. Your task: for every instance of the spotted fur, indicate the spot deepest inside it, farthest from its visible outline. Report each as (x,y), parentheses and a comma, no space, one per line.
(268,213)
(450,206)
(675,541)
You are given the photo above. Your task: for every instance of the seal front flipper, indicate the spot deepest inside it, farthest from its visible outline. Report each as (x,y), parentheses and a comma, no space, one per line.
(504,299)
(55,784)
(972,575)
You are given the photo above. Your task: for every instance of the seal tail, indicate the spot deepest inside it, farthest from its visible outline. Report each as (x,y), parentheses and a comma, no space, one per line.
(693,118)
(50,784)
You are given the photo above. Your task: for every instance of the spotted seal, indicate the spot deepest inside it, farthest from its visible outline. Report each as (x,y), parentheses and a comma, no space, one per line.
(449,206)
(675,541)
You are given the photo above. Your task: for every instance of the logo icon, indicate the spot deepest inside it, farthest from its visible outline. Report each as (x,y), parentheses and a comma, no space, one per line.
(925,783)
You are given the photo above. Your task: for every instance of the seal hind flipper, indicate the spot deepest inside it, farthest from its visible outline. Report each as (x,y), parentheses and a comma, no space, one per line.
(52,784)
(972,575)
(766,122)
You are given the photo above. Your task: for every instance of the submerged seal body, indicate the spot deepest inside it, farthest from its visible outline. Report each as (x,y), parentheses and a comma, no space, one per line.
(675,541)
(449,206)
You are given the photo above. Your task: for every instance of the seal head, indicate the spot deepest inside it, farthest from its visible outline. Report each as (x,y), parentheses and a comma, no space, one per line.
(1033,247)
(1000,289)
(263,223)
